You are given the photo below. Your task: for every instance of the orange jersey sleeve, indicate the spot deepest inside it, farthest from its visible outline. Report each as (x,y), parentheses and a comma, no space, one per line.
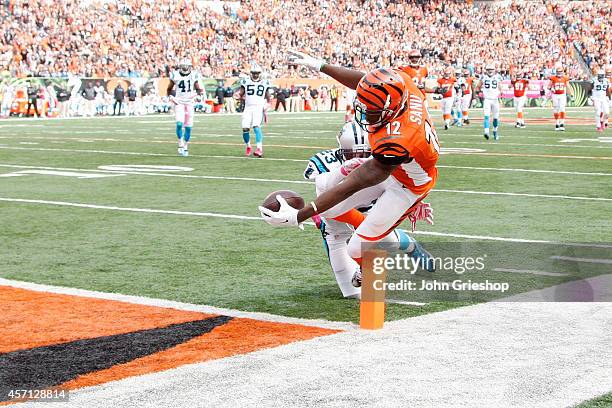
(411,143)
(448,84)
(468,86)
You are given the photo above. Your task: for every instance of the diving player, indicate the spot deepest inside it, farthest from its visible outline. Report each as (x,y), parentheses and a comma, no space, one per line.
(353,144)
(490,84)
(254,90)
(601,102)
(187,85)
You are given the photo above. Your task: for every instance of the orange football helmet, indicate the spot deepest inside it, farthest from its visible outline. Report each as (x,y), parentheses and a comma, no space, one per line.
(381,97)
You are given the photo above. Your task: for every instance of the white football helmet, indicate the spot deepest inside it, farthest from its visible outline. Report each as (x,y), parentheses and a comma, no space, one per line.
(353,142)
(185,66)
(601,74)
(255,72)
(490,69)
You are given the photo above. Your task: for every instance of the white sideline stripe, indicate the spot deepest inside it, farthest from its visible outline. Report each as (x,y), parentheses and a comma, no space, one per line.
(141,300)
(244,217)
(586,260)
(577,173)
(529,271)
(305,161)
(523,195)
(305,182)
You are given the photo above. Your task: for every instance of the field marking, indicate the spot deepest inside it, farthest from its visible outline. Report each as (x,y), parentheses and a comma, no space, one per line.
(529,271)
(524,144)
(586,260)
(249,218)
(262,180)
(509,169)
(142,300)
(546,156)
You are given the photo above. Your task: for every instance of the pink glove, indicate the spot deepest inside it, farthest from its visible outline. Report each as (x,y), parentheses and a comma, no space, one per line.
(421,212)
(350,165)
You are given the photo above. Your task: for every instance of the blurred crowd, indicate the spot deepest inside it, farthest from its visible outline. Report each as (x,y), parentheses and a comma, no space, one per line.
(142,38)
(588,25)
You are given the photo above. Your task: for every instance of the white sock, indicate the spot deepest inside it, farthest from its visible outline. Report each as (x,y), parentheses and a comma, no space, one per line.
(260,145)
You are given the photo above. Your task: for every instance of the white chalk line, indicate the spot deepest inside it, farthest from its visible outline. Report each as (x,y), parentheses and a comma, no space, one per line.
(262,180)
(529,271)
(141,300)
(585,260)
(298,160)
(250,218)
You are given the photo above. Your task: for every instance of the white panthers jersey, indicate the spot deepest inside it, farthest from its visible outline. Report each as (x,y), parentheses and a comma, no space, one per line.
(323,162)
(184,86)
(460,86)
(255,92)
(491,86)
(600,88)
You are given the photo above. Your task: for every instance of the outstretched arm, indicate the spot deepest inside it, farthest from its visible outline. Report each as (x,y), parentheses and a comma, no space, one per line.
(346,76)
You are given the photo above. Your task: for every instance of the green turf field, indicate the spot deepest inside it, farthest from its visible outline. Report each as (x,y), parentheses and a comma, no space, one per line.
(534,184)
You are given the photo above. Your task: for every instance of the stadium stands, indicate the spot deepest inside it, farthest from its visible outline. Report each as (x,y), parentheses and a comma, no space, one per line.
(136,38)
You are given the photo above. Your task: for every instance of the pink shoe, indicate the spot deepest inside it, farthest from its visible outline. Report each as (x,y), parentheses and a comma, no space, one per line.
(248,151)
(259,152)
(599,129)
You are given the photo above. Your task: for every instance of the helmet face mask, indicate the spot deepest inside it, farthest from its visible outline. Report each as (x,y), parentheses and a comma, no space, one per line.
(371,120)
(255,75)
(185,67)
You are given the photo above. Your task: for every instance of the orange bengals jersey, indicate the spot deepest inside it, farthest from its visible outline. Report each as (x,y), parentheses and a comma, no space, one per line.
(559,84)
(417,74)
(448,84)
(468,86)
(520,87)
(410,141)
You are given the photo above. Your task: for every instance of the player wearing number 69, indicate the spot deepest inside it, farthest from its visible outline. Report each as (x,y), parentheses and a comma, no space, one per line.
(254,90)
(401,171)
(187,86)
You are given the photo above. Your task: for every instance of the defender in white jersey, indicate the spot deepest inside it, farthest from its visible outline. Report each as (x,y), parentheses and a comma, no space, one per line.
(490,85)
(254,90)
(186,85)
(353,145)
(460,88)
(601,102)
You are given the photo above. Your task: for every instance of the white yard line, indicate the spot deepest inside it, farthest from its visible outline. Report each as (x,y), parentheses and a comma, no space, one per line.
(141,300)
(529,271)
(250,218)
(262,180)
(585,260)
(572,173)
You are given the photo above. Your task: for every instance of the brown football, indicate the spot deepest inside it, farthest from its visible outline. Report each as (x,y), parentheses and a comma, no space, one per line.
(293,199)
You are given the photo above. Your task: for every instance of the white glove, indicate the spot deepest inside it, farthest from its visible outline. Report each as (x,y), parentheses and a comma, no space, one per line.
(286,216)
(299,58)
(350,165)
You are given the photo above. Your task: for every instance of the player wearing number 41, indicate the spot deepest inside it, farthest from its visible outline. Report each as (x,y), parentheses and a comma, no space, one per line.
(400,173)
(490,85)
(254,90)
(187,85)
(601,102)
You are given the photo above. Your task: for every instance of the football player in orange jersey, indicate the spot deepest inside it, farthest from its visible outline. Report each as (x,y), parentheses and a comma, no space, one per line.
(446,87)
(416,71)
(399,174)
(466,99)
(519,84)
(559,88)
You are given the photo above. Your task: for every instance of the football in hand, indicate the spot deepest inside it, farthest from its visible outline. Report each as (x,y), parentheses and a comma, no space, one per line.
(293,199)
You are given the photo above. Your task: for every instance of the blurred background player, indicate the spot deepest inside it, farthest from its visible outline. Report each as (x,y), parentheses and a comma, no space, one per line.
(349,95)
(466,99)
(417,71)
(459,89)
(601,102)
(519,85)
(352,143)
(185,82)
(559,88)
(254,90)
(490,85)
(446,88)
